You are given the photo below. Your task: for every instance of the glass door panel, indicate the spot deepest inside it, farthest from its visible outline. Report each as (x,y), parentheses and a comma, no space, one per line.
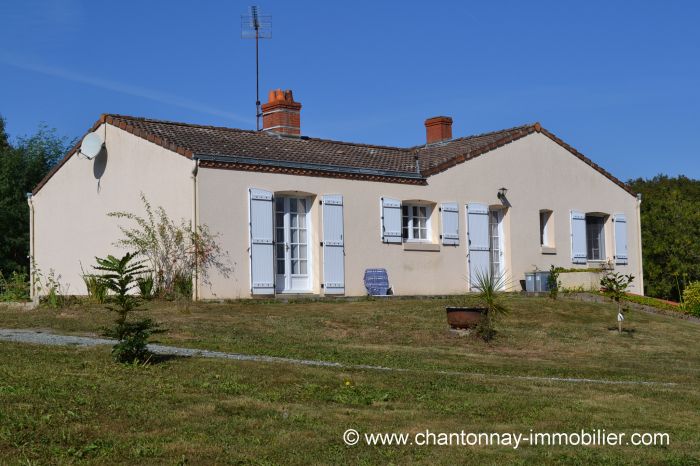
(495,242)
(292,252)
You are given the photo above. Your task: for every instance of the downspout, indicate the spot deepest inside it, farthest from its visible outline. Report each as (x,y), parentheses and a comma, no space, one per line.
(639,243)
(30,202)
(195,227)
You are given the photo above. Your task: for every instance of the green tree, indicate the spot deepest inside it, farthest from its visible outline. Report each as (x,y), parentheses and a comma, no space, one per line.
(121,276)
(670,230)
(4,140)
(22,165)
(615,286)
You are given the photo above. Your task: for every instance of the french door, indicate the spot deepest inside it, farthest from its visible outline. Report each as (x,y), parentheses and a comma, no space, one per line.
(293,273)
(495,242)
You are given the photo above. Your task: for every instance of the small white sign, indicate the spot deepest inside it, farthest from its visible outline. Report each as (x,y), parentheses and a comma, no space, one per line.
(620,317)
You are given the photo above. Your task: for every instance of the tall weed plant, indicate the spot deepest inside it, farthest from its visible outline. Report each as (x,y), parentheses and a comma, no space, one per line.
(174,251)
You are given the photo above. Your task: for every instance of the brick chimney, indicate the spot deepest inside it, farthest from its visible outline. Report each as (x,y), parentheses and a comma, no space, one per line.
(438,129)
(281,114)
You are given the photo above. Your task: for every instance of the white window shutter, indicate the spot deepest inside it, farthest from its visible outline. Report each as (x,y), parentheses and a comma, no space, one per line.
(333,245)
(262,271)
(478,235)
(391,220)
(578,237)
(620,222)
(450,223)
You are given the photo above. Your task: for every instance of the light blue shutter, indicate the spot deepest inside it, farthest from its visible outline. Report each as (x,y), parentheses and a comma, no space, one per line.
(450,223)
(478,234)
(578,237)
(391,220)
(620,222)
(333,245)
(262,273)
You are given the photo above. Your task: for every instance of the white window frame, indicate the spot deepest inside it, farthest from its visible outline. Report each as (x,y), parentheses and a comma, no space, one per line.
(601,239)
(546,236)
(290,278)
(410,223)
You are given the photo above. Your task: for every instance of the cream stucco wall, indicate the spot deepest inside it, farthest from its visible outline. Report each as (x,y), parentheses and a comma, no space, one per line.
(70,211)
(538,173)
(71,226)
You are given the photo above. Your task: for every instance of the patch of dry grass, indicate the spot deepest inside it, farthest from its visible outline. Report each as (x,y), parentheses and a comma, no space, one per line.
(539,337)
(64,405)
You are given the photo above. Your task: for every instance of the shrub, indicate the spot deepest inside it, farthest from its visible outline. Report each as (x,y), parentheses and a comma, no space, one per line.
(174,251)
(133,340)
(182,286)
(615,286)
(653,302)
(120,277)
(553,282)
(691,298)
(53,293)
(16,288)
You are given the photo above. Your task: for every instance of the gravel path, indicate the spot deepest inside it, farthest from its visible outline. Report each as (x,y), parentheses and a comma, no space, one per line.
(52,339)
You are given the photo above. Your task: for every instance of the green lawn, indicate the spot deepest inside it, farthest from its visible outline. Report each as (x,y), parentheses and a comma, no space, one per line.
(61,405)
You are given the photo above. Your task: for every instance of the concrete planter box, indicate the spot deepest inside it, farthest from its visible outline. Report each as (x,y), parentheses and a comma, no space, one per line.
(585,281)
(22,306)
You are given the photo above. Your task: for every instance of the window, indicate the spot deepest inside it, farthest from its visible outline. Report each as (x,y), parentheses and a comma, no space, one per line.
(546,233)
(495,242)
(415,222)
(595,237)
(291,235)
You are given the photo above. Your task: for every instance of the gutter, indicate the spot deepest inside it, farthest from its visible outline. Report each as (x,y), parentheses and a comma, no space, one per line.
(30,202)
(195,226)
(307,166)
(639,244)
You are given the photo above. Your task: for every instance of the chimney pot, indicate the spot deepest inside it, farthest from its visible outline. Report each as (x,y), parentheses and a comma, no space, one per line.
(438,129)
(281,114)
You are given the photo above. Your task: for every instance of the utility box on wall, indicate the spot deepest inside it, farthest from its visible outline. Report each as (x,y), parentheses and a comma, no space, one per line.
(536,282)
(530,282)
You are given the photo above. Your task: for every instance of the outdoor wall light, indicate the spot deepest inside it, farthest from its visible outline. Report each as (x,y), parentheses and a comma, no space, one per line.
(502,193)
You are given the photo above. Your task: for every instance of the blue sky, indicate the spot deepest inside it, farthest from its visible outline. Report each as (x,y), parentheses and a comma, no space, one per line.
(618,81)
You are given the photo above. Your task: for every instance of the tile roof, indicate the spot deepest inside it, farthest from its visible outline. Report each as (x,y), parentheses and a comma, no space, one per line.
(246,144)
(238,149)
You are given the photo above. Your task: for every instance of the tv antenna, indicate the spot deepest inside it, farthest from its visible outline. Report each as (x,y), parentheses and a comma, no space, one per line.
(256,26)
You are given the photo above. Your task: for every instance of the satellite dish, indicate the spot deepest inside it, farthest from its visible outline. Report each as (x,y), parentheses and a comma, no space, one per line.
(92,145)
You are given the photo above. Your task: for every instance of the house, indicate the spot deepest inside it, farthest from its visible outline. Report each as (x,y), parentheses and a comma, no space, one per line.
(306,215)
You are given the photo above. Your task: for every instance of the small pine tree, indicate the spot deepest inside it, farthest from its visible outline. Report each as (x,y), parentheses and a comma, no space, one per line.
(121,277)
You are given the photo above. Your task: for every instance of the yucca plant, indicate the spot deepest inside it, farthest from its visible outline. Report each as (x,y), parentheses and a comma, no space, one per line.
(121,277)
(96,289)
(489,287)
(146,285)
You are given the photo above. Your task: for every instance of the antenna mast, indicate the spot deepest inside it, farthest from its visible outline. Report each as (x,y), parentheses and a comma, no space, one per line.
(256,26)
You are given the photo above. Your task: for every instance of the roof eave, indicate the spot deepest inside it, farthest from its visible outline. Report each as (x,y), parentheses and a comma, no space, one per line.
(249,164)
(306,166)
